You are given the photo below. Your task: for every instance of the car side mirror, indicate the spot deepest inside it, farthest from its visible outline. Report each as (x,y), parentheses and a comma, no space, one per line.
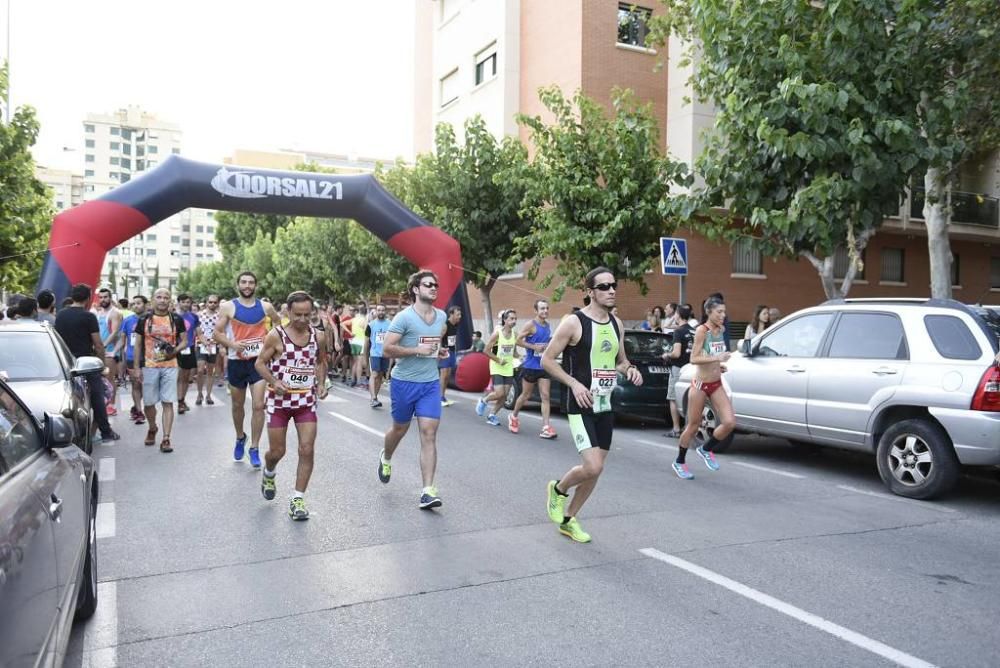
(746,347)
(59,431)
(85,365)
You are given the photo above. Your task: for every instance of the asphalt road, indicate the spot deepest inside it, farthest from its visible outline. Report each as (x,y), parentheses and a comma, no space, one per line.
(784,557)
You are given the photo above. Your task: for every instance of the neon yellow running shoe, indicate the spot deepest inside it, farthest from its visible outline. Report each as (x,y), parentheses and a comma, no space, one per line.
(556,503)
(297,509)
(268,486)
(384,468)
(574,531)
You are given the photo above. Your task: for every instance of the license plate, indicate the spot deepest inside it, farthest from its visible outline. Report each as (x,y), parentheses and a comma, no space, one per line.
(659,369)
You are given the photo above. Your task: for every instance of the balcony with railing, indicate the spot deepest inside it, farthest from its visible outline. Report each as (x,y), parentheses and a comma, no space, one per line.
(966,208)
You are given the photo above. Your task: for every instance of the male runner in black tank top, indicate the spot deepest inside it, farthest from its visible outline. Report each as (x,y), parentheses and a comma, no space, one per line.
(593,358)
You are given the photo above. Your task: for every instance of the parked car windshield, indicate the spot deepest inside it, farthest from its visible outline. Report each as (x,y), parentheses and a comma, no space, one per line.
(646,344)
(28,356)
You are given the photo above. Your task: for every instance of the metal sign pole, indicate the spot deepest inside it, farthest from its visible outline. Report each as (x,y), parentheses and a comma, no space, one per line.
(682,298)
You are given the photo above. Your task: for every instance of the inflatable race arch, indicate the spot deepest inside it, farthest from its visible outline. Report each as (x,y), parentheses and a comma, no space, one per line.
(83,235)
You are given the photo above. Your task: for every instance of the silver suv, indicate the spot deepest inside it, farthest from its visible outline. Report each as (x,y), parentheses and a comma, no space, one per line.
(913,380)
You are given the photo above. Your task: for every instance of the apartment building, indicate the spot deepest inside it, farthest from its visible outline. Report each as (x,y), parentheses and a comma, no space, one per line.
(67,186)
(492,57)
(118,147)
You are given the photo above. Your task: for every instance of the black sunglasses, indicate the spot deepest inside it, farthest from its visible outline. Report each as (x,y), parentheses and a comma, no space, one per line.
(429,285)
(604,287)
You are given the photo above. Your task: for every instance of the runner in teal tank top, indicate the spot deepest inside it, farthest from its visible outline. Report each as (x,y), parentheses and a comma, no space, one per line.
(710,355)
(593,362)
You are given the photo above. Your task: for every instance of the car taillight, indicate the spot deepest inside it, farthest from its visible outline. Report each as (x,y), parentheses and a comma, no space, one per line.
(987,396)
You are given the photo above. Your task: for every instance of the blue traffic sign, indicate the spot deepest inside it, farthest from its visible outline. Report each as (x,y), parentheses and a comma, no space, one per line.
(674,256)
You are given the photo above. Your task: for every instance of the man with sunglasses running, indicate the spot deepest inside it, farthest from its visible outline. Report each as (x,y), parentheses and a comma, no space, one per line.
(593,358)
(414,339)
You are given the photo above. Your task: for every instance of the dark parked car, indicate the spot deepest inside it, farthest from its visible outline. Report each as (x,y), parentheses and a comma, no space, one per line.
(34,359)
(48,534)
(648,401)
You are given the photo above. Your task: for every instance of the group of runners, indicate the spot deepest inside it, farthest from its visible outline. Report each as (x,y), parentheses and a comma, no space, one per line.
(281,360)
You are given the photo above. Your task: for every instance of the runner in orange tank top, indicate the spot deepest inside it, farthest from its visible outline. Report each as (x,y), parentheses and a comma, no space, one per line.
(242,327)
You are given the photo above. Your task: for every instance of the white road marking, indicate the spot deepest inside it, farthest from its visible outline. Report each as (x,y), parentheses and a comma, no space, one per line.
(357,424)
(767,469)
(893,497)
(100,636)
(665,446)
(106,520)
(333,399)
(853,637)
(106,469)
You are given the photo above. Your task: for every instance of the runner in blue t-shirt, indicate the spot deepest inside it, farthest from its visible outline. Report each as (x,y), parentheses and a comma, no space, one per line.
(414,339)
(139,305)
(374,338)
(187,360)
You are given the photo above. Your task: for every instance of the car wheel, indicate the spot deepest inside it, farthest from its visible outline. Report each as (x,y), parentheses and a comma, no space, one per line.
(511,397)
(86,601)
(709,421)
(916,459)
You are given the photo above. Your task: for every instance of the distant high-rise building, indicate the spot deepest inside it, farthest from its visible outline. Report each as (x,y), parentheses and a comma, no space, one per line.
(67,186)
(118,147)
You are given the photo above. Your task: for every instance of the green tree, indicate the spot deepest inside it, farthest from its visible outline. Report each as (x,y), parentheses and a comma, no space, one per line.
(598,189)
(468,191)
(25,205)
(813,140)
(209,278)
(236,230)
(154,282)
(113,276)
(955,68)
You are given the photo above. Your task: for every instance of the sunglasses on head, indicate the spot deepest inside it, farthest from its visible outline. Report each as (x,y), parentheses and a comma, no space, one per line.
(429,285)
(604,287)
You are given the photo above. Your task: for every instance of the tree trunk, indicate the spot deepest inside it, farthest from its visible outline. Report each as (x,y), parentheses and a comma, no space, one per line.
(936,218)
(824,268)
(484,293)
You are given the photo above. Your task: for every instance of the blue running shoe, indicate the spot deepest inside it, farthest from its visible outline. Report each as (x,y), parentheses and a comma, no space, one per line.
(255,458)
(682,471)
(493,421)
(241,443)
(481,407)
(708,458)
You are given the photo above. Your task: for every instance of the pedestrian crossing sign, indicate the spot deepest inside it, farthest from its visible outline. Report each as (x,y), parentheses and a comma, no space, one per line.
(673,256)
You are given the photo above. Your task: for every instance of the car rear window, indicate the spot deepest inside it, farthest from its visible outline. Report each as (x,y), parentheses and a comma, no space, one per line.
(877,336)
(29,356)
(653,344)
(952,337)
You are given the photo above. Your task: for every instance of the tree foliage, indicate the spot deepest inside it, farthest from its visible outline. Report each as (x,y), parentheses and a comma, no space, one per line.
(955,71)
(813,141)
(598,189)
(467,189)
(25,205)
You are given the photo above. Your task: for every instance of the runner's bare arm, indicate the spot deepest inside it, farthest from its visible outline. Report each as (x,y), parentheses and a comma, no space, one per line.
(321,390)
(391,347)
(624,366)
(225,313)
(272,346)
(526,331)
(568,332)
(488,350)
(115,325)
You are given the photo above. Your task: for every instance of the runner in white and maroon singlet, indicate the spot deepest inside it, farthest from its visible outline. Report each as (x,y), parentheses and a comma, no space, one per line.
(293,364)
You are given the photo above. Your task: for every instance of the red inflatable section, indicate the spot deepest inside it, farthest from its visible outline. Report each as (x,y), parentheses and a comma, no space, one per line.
(429,248)
(473,373)
(81,236)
